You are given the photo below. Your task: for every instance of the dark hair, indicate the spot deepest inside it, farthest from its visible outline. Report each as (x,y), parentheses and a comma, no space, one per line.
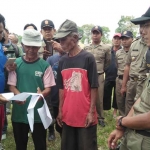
(2,20)
(31,24)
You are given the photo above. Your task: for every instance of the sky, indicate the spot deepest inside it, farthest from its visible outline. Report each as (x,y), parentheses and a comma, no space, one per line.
(98,12)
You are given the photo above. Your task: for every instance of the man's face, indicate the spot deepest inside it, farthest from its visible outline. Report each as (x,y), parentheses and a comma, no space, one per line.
(116,41)
(96,36)
(146,33)
(126,42)
(141,30)
(67,43)
(48,33)
(1,31)
(31,51)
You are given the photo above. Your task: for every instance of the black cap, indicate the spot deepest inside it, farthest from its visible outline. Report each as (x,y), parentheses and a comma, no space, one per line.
(127,34)
(97,28)
(47,23)
(143,18)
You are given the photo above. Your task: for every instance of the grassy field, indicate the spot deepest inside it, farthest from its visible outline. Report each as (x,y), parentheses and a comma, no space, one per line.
(102,135)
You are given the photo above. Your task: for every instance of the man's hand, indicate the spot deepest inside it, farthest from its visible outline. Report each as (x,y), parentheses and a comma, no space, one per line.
(56,46)
(46,54)
(59,119)
(89,120)
(11,67)
(114,137)
(3,100)
(123,90)
(39,92)
(20,102)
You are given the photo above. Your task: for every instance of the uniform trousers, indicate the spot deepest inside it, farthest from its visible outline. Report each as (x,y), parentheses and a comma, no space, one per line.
(134,90)
(109,89)
(135,141)
(21,131)
(99,101)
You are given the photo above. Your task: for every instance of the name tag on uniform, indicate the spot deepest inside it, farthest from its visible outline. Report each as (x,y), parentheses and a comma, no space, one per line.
(135,50)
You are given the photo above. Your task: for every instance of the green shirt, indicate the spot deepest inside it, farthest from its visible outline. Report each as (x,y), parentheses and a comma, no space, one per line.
(29,77)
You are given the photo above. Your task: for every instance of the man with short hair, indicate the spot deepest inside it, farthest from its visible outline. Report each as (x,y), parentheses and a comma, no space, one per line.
(47,31)
(134,78)
(77,81)
(121,55)
(32,75)
(101,53)
(110,76)
(136,125)
(13,38)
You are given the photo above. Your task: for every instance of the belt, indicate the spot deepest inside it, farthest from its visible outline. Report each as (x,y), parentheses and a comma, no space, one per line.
(100,73)
(143,132)
(120,77)
(134,78)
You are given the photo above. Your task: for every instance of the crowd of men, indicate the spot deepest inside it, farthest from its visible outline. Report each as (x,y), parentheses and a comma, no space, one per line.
(78,85)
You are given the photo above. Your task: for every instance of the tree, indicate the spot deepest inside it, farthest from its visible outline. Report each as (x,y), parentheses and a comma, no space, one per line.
(125,24)
(85,31)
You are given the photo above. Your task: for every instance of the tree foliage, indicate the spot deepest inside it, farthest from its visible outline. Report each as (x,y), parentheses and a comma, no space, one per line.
(125,24)
(85,31)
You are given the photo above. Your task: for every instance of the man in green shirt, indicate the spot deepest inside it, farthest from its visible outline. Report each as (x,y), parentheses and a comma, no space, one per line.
(34,75)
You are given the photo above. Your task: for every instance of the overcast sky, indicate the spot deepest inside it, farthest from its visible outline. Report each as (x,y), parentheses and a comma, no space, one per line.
(98,12)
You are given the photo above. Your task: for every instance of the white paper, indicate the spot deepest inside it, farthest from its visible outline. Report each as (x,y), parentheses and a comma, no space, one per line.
(8,95)
(44,112)
(44,117)
(30,110)
(20,97)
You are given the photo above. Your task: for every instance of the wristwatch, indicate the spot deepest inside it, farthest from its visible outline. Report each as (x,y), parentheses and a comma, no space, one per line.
(120,122)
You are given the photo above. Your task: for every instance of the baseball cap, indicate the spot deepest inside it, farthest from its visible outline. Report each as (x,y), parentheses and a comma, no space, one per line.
(47,23)
(143,18)
(31,37)
(65,29)
(97,28)
(127,34)
(117,34)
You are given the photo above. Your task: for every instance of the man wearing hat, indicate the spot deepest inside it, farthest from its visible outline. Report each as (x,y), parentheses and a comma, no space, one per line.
(77,81)
(32,75)
(101,53)
(48,45)
(134,77)
(136,125)
(110,77)
(121,56)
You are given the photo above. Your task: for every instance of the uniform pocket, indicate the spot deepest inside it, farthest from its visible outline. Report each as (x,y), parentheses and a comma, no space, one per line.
(134,55)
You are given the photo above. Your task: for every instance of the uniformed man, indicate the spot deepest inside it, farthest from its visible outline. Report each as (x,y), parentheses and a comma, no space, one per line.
(137,122)
(101,53)
(133,78)
(48,48)
(121,56)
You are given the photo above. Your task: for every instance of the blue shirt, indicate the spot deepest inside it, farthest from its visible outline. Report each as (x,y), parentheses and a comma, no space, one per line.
(3,60)
(54,61)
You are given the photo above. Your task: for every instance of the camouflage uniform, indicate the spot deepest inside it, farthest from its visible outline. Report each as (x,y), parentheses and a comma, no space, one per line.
(136,77)
(101,53)
(121,56)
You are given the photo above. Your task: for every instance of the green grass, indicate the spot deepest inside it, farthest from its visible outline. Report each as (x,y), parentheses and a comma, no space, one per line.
(102,135)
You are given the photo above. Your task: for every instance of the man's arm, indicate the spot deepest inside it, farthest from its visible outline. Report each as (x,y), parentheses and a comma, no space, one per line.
(125,79)
(90,116)
(107,58)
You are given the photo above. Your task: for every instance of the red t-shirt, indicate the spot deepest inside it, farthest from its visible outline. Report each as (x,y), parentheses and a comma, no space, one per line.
(76,76)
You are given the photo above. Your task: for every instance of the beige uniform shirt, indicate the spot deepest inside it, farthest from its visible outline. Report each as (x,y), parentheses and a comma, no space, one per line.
(135,58)
(121,56)
(102,56)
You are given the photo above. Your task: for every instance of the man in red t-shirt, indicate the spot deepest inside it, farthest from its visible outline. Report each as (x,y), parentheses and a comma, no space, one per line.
(77,80)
